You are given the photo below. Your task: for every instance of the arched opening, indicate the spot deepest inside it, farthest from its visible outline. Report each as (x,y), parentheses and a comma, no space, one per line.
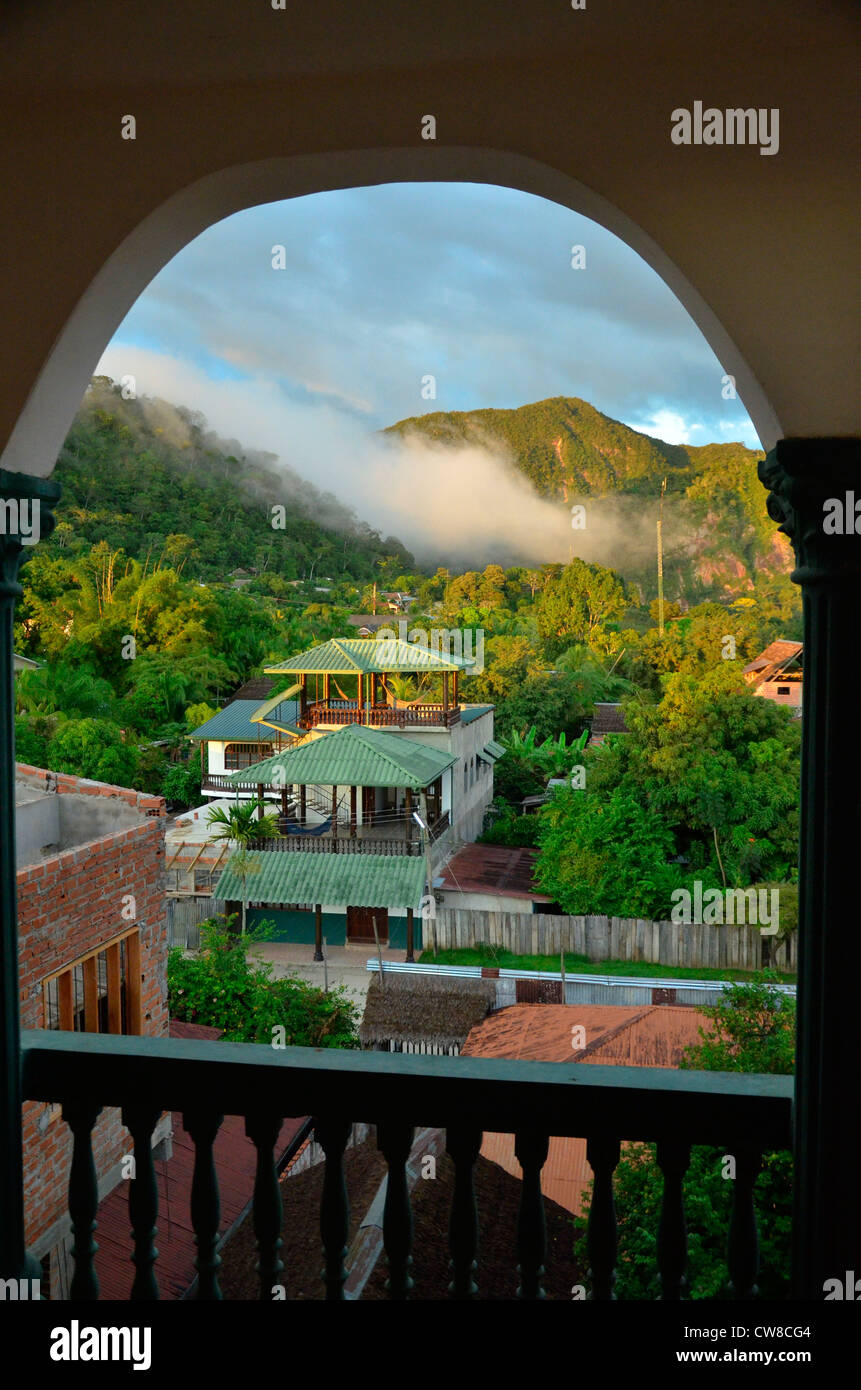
(50,408)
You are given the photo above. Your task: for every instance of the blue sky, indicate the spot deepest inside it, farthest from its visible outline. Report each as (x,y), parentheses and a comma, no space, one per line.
(383,286)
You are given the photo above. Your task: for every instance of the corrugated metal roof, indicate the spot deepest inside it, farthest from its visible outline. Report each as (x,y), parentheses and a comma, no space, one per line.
(380,655)
(644,1037)
(771,663)
(353,756)
(234,722)
(608,718)
(492,869)
(492,750)
(470,712)
(354,880)
(652,1035)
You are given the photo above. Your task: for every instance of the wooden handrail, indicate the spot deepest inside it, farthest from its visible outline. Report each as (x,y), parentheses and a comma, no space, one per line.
(637,1103)
(464,1095)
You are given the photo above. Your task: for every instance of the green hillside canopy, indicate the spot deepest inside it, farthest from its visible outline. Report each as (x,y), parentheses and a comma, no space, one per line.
(348,880)
(368,656)
(353,756)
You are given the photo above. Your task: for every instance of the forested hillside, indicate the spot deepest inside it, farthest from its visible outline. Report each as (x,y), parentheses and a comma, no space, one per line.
(718,535)
(150,478)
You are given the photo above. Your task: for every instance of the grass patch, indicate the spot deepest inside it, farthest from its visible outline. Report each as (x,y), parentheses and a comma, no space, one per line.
(581,965)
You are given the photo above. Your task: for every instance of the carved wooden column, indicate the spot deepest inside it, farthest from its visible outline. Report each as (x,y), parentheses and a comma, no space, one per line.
(814,486)
(31,497)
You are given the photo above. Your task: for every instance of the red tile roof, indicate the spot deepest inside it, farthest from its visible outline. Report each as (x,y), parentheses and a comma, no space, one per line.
(492,869)
(649,1036)
(235,1163)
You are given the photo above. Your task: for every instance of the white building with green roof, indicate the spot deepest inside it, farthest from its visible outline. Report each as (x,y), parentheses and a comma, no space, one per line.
(369,755)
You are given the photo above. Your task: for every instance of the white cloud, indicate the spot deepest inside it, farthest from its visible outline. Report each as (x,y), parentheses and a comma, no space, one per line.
(667,425)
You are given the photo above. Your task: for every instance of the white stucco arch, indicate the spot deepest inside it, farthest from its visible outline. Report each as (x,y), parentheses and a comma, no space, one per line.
(50,408)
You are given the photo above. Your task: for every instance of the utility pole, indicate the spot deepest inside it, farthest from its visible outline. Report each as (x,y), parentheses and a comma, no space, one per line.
(661,560)
(425,825)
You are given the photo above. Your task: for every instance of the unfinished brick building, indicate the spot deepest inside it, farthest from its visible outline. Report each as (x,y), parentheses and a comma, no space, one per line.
(93,958)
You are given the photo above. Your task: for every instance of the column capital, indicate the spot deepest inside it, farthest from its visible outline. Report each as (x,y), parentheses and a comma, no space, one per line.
(26,517)
(815,497)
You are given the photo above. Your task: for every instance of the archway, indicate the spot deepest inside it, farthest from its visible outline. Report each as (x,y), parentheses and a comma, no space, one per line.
(44,422)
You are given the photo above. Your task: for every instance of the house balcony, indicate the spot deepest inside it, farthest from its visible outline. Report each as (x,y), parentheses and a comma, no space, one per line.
(746,1115)
(334,713)
(367,839)
(220,782)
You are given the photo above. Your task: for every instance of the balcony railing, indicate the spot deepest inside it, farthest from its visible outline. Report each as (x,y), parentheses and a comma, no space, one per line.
(379,716)
(220,782)
(744,1114)
(367,840)
(341,844)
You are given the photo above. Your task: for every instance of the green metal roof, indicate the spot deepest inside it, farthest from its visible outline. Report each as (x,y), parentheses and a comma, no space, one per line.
(349,655)
(233,723)
(351,880)
(353,756)
(468,713)
(491,751)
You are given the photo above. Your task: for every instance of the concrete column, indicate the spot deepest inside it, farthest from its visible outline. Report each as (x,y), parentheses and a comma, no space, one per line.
(815,487)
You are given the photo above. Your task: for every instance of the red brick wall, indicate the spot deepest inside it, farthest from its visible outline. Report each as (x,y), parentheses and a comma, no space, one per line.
(69,904)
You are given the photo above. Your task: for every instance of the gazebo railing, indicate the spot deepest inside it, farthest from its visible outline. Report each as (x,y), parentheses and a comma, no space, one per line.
(338,712)
(341,844)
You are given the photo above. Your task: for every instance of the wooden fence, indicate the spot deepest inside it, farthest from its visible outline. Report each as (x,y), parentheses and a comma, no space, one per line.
(614,938)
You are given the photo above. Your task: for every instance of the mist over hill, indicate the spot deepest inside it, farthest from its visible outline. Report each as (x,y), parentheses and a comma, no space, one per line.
(717,532)
(135,472)
(458,489)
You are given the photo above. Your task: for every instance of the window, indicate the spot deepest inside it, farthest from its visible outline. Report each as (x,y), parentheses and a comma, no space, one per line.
(465,776)
(101,992)
(783,690)
(239,755)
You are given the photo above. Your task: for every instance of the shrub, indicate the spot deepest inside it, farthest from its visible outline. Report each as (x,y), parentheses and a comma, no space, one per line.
(223,988)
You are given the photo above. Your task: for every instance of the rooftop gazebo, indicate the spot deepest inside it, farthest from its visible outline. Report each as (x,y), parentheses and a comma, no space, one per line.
(344,681)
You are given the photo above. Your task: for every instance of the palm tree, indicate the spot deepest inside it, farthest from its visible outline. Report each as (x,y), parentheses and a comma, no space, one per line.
(240,824)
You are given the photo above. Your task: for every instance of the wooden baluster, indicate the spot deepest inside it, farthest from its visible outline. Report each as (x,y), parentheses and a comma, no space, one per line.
(463,1145)
(530,1149)
(203,1126)
(673,1158)
(80,1116)
(601,1238)
(263,1130)
(140,1121)
(743,1254)
(395,1142)
(332,1135)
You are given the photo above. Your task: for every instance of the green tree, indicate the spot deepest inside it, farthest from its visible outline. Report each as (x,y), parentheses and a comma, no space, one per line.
(242,823)
(222,987)
(577,605)
(93,748)
(606,855)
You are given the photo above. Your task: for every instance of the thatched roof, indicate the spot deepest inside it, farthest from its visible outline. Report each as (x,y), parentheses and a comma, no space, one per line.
(432,1010)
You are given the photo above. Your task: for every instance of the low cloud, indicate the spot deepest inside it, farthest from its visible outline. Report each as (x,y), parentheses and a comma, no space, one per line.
(463,505)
